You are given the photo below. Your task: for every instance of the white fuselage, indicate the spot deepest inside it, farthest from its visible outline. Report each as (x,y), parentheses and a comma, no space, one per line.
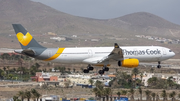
(92,54)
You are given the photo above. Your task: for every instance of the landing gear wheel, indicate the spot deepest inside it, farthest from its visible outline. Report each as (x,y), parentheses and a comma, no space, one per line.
(101,72)
(159,66)
(86,71)
(90,68)
(105,69)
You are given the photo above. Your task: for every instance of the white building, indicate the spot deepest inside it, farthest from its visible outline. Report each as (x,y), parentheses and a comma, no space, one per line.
(146,76)
(58,38)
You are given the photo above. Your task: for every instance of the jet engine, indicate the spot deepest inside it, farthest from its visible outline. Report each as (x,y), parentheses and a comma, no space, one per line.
(129,63)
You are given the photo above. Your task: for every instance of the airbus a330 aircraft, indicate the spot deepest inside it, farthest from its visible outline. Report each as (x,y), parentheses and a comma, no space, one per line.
(93,56)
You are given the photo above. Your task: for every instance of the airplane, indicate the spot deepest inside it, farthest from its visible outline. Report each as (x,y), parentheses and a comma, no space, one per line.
(125,56)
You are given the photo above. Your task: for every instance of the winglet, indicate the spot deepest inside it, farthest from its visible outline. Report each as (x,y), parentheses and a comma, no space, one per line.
(116,45)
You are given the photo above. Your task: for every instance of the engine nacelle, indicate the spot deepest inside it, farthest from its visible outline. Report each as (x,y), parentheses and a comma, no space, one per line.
(129,63)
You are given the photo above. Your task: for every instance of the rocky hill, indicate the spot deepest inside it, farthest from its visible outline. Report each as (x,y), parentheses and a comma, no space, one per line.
(146,24)
(41,19)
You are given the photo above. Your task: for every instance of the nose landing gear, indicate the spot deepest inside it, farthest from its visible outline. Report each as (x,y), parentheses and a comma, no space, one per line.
(159,66)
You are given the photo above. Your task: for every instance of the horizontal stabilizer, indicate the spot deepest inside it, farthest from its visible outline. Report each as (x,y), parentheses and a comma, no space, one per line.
(18,51)
(28,52)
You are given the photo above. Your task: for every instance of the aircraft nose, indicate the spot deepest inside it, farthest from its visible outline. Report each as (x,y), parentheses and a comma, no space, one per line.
(173,54)
(168,53)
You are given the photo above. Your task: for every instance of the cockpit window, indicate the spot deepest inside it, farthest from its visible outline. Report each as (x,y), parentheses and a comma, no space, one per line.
(170,50)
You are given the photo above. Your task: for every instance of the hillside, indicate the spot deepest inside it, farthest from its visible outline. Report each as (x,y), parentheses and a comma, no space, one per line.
(146,24)
(40,20)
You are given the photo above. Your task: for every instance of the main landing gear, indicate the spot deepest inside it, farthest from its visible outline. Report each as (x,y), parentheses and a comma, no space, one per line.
(89,67)
(101,72)
(159,66)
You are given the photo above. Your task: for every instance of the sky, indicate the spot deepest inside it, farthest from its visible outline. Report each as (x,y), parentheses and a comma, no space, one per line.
(108,9)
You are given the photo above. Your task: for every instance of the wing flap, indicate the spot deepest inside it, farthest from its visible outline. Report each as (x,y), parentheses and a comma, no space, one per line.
(94,60)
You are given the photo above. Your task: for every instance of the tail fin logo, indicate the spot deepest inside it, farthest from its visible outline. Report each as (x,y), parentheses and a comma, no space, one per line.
(24,39)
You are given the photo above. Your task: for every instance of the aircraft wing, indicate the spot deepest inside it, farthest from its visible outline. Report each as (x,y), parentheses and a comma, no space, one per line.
(115,55)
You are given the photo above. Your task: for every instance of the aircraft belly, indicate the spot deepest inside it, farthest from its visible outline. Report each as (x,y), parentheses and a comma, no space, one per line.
(71,58)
